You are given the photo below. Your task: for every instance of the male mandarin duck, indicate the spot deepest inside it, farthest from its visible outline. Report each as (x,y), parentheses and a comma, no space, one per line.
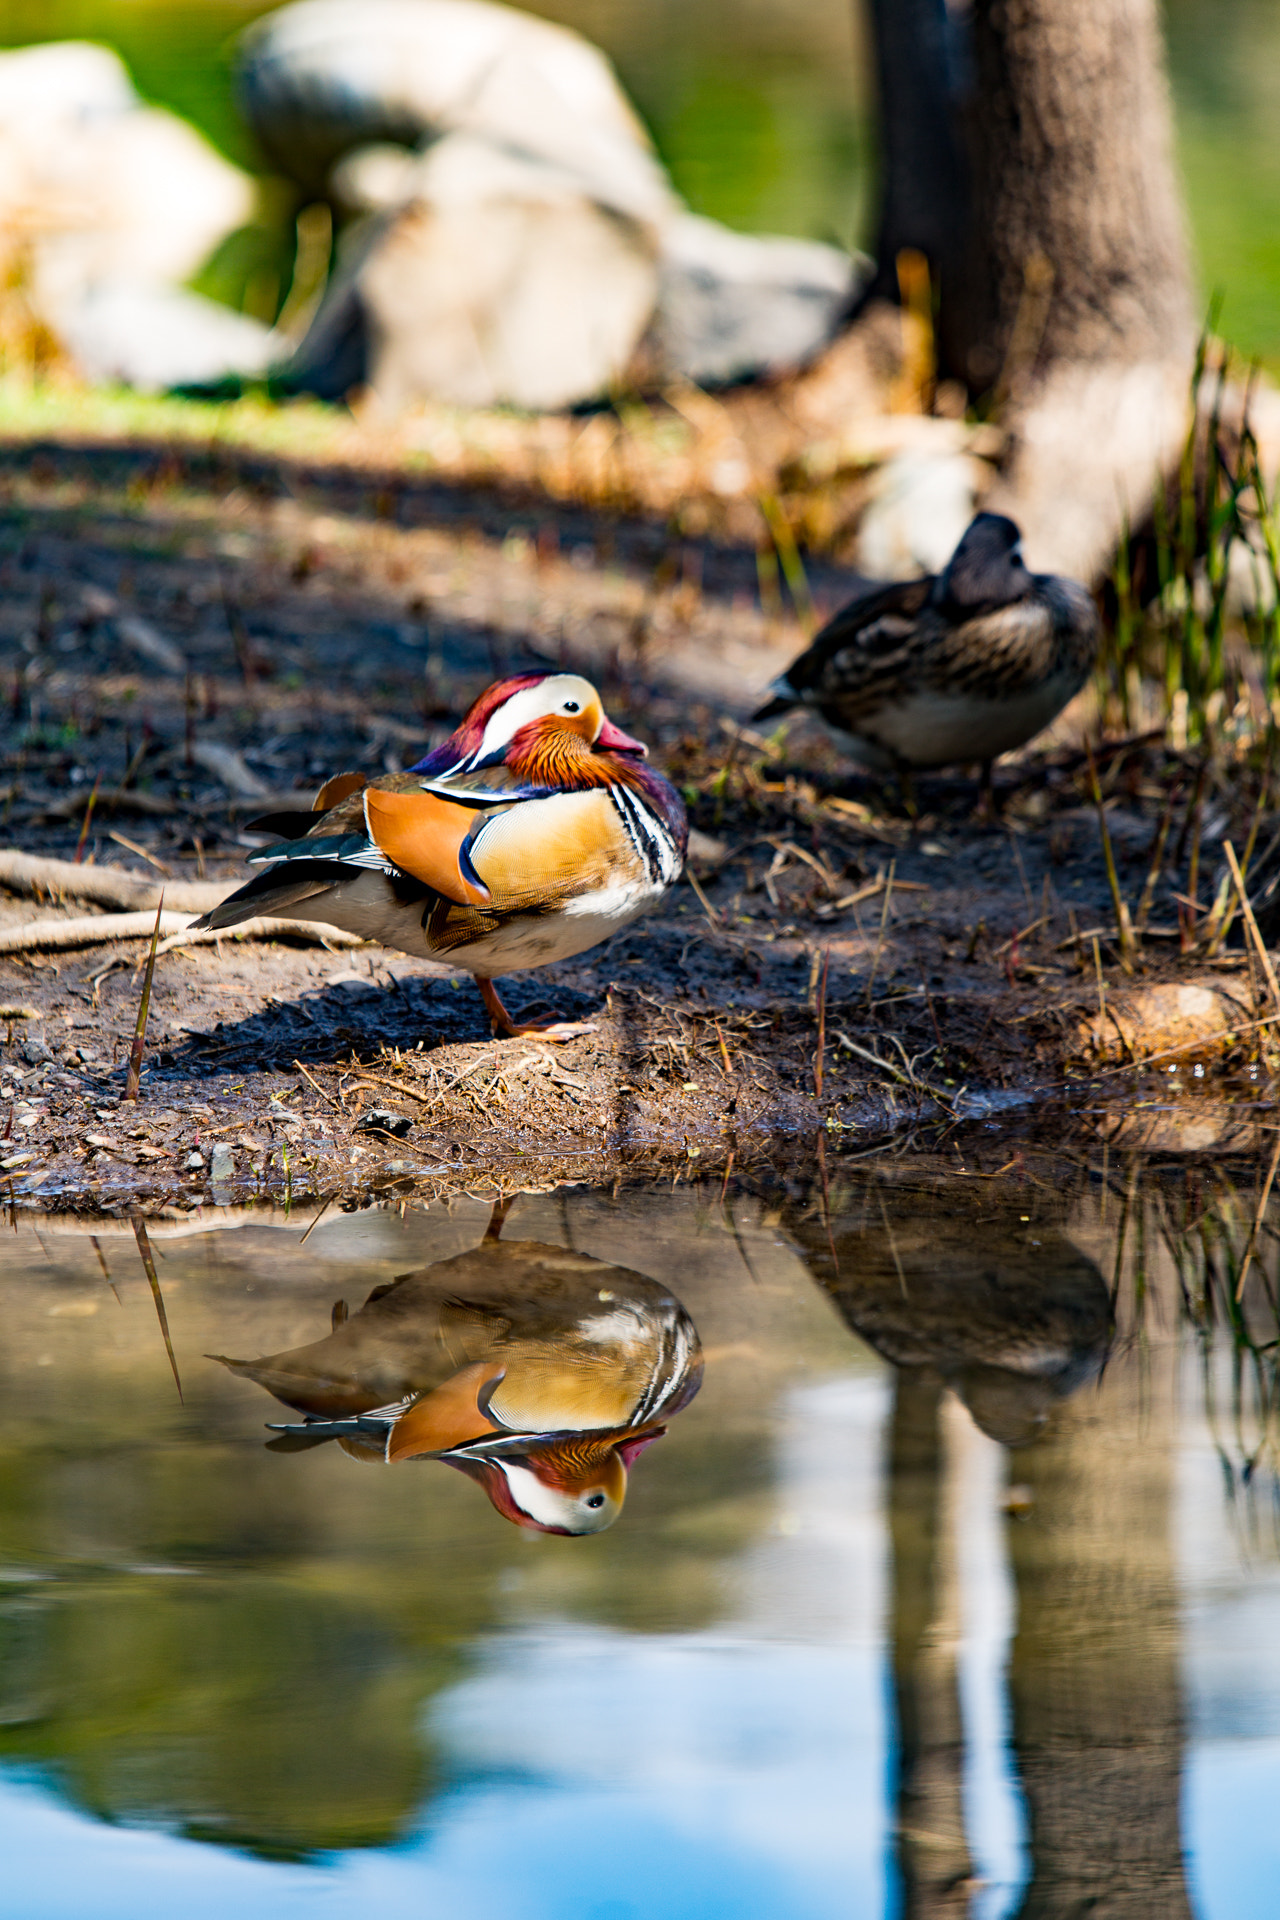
(539,1372)
(533,832)
(960,666)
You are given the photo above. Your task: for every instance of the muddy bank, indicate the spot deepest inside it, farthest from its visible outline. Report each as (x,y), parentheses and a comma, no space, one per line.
(834,963)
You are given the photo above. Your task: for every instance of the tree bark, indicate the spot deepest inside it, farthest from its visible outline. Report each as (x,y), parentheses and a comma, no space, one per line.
(1056,243)
(1095,1682)
(924,170)
(933,1857)
(1074,188)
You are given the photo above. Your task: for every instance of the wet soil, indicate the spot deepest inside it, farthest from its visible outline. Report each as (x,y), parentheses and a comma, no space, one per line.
(843,960)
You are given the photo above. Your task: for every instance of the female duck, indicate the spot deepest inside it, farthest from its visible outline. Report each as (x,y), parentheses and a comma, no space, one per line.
(960,666)
(533,832)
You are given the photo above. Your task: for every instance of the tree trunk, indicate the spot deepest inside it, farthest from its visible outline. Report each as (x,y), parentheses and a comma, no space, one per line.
(924,172)
(932,1850)
(1075,207)
(1095,1674)
(1058,250)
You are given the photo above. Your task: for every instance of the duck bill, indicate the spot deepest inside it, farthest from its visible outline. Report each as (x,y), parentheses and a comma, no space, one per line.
(611,739)
(629,1451)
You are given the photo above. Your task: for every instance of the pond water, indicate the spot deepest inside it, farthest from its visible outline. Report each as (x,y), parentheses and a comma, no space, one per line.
(955,1589)
(761,113)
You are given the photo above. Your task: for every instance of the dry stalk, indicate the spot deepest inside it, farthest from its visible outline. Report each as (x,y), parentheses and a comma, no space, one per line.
(703,901)
(1254,1230)
(1252,925)
(1123,928)
(134,1075)
(396,1086)
(312,1081)
(149,1267)
(822,1026)
(884,921)
(998,953)
(1147,898)
(88,816)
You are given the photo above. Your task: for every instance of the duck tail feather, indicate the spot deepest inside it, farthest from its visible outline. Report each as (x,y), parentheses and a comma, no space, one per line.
(784,698)
(273,892)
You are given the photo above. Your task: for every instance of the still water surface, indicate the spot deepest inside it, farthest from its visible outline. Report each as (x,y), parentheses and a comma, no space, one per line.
(949,1593)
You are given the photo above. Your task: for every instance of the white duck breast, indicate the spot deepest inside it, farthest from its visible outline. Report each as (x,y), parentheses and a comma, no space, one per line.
(934,728)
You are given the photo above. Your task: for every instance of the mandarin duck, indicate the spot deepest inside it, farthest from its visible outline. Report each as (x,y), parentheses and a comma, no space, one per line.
(959,666)
(534,831)
(539,1372)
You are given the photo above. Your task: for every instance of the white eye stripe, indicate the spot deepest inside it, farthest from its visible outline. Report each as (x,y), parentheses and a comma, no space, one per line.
(532,703)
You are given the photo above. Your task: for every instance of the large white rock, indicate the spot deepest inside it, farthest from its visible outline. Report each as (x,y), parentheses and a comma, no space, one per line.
(733,304)
(320,78)
(136,333)
(921,503)
(495,280)
(521,235)
(104,193)
(62,80)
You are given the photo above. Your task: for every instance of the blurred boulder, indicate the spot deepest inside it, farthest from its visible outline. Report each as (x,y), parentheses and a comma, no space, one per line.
(104,200)
(496,281)
(320,78)
(516,237)
(136,333)
(922,499)
(62,80)
(736,304)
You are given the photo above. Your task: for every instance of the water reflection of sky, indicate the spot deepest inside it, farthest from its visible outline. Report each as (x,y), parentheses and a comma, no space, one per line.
(590,1773)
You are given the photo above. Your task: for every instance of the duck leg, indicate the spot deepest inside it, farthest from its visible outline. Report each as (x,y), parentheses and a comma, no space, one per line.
(508,1029)
(987,811)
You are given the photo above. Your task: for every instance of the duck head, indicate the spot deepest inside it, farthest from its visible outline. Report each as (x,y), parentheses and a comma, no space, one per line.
(571,1483)
(547,726)
(986,570)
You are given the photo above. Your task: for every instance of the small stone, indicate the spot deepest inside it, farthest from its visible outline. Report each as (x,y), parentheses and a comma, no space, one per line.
(194,1162)
(223,1165)
(382,1120)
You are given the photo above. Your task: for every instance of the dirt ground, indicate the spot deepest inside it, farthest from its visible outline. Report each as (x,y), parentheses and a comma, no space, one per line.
(837,966)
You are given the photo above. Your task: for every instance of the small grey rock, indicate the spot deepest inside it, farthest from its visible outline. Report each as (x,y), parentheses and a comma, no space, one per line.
(382,1120)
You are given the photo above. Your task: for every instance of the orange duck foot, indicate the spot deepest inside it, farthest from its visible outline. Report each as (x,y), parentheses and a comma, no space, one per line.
(509,1029)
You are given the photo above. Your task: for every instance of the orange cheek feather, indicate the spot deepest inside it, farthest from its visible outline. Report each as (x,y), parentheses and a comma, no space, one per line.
(423,834)
(446,1417)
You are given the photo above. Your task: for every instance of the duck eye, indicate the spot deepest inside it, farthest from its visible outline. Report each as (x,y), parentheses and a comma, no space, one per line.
(571,706)
(596,1500)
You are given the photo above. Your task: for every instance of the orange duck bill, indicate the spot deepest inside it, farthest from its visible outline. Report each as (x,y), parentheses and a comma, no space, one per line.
(570,1483)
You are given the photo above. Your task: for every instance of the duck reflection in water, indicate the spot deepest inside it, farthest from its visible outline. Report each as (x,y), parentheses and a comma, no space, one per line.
(987,1295)
(539,1372)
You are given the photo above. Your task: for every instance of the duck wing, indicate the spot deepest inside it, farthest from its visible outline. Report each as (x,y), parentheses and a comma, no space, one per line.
(470,854)
(869,640)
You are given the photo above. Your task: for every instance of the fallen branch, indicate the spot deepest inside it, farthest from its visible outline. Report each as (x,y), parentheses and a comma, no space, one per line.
(52,936)
(105,886)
